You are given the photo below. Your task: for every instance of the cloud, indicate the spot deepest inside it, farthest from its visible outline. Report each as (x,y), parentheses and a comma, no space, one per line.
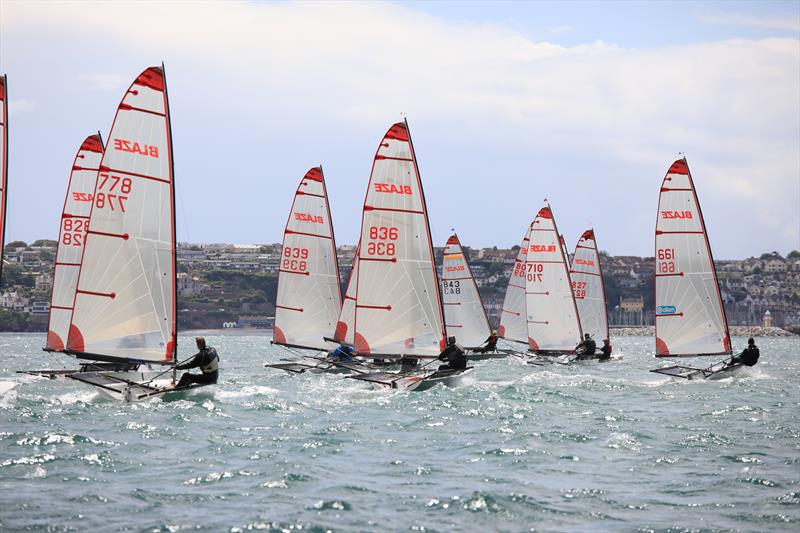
(500,104)
(105,81)
(789,22)
(565,28)
(20,105)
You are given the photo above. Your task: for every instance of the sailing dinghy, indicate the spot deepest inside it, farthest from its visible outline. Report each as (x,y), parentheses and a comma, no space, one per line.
(309,298)
(464,314)
(3,164)
(689,317)
(552,315)
(69,252)
(398,306)
(586,274)
(124,308)
(513,324)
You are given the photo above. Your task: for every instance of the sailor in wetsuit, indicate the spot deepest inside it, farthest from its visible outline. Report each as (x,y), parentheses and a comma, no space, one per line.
(208,362)
(454,355)
(749,355)
(605,351)
(491,344)
(587,347)
(342,353)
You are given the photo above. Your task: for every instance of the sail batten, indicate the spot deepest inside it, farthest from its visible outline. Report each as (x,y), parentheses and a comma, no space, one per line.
(124,306)
(464,313)
(552,316)
(586,274)
(689,316)
(309,295)
(398,309)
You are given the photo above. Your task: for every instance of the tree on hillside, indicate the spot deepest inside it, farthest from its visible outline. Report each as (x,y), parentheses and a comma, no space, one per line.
(13,245)
(773,255)
(48,243)
(794,254)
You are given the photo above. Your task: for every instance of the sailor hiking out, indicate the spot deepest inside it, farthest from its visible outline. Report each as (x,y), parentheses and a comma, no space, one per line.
(490,344)
(587,347)
(454,355)
(605,351)
(342,353)
(749,355)
(206,360)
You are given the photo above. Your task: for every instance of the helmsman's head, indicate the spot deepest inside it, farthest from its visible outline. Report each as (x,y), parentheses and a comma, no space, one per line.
(750,341)
(201,342)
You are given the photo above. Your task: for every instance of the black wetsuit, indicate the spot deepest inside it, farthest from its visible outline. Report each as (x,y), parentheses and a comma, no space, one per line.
(749,356)
(586,348)
(208,361)
(455,357)
(491,345)
(605,352)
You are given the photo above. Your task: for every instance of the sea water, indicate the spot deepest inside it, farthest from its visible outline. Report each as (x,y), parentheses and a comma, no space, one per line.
(516,447)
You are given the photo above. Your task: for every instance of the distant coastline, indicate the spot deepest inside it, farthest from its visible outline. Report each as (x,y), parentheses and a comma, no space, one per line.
(736,331)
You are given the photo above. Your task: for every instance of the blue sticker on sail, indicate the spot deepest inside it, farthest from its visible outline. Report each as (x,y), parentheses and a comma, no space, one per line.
(666,310)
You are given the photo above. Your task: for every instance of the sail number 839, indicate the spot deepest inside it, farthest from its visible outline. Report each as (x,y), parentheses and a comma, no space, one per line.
(380,240)
(295,259)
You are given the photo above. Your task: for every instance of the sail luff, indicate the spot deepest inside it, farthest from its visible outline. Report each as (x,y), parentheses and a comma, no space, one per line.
(3,166)
(689,316)
(398,298)
(174,236)
(309,297)
(124,307)
(74,223)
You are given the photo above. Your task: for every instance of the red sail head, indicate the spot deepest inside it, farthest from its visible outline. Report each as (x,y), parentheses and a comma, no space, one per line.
(588,234)
(398,132)
(452,240)
(545,213)
(678,167)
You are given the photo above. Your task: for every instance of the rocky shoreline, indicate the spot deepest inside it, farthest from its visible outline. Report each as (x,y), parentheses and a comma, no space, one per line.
(736,331)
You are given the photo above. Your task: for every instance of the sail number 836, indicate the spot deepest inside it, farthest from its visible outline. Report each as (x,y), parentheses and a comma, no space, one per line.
(380,240)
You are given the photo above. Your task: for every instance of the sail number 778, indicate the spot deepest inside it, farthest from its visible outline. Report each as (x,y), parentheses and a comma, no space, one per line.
(112,192)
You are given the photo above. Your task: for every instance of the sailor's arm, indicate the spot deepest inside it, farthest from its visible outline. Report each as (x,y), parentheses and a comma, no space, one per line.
(193,363)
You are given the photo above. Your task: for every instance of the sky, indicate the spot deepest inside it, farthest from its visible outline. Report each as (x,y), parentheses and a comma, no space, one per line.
(585,104)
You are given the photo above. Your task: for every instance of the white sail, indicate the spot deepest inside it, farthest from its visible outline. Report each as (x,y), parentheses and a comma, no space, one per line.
(398,304)
(309,296)
(3,163)
(125,301)
(345,327)
(552,316)
(464,314)
(71,238)
(513,322)
(690,319)
(587,286)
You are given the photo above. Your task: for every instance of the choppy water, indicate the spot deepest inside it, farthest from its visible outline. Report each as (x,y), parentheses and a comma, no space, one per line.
(579,448)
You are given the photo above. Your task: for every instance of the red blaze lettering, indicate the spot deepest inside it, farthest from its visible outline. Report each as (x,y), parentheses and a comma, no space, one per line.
(82,197)
(125,145)
(305,217)
(455,268)
(587,262)
(676,214)
(392,188)
(542,248)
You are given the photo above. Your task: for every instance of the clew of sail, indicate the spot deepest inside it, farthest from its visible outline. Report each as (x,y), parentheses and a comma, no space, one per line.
(3,164)
(587,286)
(71,239)
(690,319)
(345,325)
(465,316)
(552,316)
(309,296)
(398,303)
(124,306)
(513,325)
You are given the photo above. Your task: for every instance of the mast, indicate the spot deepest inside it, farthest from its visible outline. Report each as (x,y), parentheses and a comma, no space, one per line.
(689,316)
(398,298)
(587,285)
(465,315)
(71,238)
(124,307)
(3,166)
(174,236)
(513,322)
(309,297)
(553,324)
